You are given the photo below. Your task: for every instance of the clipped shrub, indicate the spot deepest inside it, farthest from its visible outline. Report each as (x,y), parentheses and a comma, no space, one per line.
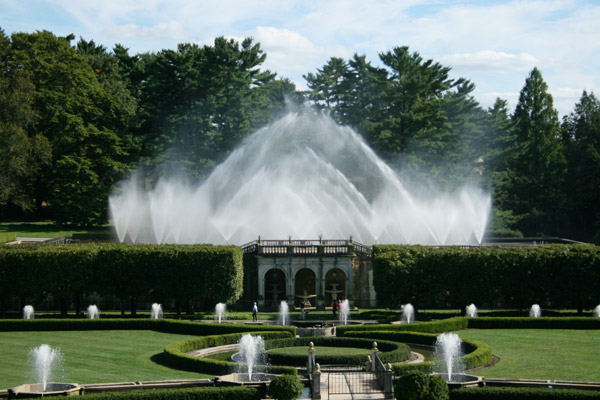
(417,385)
(413,385)
(203,393)
(444,325)
(285,387)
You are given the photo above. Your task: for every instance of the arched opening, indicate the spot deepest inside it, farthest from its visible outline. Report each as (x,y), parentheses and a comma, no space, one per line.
(275,287)
(305,287)
(335,286)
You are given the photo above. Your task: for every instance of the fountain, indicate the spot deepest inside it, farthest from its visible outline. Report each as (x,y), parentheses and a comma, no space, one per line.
(471,311)
(252,353)
(408,313)
(597,311)
(220,312)
(284,311)
(344,312)
(45,360)
(447,353)
(28,312)
(304,176)
(93,312)
(156,311)
(535,311)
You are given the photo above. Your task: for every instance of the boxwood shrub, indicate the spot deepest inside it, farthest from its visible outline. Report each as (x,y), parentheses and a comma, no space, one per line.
(389,351)
(175,353)
(444,325)
(521,393)
(203,393)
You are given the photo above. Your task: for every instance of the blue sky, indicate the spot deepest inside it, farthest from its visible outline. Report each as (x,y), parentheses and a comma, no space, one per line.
(495,44)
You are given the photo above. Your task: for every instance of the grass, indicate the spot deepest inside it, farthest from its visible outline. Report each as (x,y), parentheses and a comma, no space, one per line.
(44,229)
(541,353)
(321,351)
(92,356)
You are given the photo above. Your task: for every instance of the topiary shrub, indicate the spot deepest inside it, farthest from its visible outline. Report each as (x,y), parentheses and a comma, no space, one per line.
(285,387)
(413,385)
(416,385)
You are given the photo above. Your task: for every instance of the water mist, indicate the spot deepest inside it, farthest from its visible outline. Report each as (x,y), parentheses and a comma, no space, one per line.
(44,360)
(303,176)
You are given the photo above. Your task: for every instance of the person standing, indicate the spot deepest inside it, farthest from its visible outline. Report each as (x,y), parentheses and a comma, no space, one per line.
(254,312)
(334,308)
(302,305)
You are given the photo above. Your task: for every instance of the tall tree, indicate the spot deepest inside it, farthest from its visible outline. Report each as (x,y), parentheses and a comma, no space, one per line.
(80,119)
(23,152)
(538,169)
(581,136)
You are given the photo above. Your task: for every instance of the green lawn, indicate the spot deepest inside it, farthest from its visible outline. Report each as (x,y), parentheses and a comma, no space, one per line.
(44,229)
(321,351)
(92,356)
(541,353)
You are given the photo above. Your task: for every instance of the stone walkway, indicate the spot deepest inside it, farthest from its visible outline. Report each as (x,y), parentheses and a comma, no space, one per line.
(353,384)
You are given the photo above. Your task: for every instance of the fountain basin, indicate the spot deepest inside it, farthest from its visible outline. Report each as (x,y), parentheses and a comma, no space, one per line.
(242,378)
(462,380)
(52,389)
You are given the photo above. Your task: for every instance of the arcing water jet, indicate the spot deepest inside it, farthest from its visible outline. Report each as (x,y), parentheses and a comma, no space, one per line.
(303,176)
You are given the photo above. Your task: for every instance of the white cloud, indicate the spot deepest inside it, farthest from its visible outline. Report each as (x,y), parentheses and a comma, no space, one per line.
(171,30)
(491,61)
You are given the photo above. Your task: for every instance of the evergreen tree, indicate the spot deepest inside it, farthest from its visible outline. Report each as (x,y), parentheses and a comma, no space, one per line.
(538,169)
(581,137)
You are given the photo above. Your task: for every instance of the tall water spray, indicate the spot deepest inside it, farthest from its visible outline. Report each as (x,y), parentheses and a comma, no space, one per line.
(535,311)
(448,353)
(284,311)
(44,360)
(344,312)
(597,311)
(303,176)
(93,312)
(408,313)
(156,311)
(471,311)
(220,312)
(28,312)
(252,353)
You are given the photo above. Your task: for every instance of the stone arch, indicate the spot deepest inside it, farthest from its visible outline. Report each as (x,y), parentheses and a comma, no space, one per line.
(305,284)
(335,278)
(275,286)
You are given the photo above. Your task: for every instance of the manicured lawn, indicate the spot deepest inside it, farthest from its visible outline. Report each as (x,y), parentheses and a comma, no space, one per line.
(92,356)
(44,229)
(541,353)
(321,351)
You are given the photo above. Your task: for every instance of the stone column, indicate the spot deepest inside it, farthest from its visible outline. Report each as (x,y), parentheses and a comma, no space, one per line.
(316,382)
(388,386)
(311,358)
(374,357)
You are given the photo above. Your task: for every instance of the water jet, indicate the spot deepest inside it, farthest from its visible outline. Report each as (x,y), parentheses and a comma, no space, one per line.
(220,312)
(156,311)
(471,311)
(28,312)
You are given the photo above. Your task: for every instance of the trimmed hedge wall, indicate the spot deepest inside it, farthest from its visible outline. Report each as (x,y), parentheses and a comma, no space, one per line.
(161,325)
(389,351)
(511,393)
(444,325)
(128,272)
(476,353)
(566,276)
(204,393)
(175,354)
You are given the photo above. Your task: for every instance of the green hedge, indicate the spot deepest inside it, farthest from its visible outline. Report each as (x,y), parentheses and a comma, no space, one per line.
(203,393)
(565,276)
(389,351)
(444,325)
(175,353)
(512,393)
(534,323)
(128,272)
(476,353)
(162,325)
